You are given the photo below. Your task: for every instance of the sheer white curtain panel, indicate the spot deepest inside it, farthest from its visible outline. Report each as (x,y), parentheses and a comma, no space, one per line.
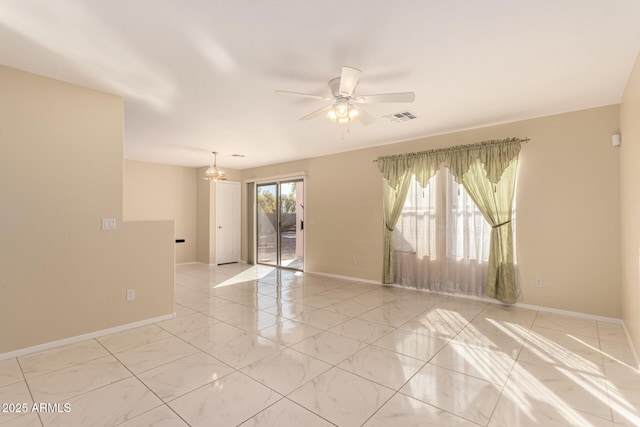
(441,239)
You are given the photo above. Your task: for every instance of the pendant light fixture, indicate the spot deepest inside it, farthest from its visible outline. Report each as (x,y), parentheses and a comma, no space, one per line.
(214,173)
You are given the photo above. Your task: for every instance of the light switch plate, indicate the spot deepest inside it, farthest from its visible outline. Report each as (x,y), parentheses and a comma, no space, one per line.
(108,223)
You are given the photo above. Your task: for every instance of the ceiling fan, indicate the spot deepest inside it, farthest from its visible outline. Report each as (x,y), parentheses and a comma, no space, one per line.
(344,107)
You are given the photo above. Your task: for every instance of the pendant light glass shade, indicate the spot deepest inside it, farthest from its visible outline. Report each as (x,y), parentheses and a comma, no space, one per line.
(214,173)
(342,112)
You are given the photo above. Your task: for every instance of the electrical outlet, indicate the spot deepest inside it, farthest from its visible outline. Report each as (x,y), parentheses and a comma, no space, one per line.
(131,294)
(108,223)
(538,283)
(355,261)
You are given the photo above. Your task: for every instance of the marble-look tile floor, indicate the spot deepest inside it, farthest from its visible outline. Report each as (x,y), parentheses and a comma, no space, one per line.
(254,346)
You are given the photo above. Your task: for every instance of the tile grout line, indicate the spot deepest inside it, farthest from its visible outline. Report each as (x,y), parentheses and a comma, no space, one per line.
(145,385)
(604,370)
(504,386)
(24,378)
(396,392)
(331,367)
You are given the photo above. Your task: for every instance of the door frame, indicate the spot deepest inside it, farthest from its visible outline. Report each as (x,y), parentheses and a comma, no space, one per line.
(277,180)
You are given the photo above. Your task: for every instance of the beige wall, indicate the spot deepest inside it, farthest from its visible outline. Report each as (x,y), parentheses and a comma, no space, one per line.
(61,169)
(203,213)
(630,204)
(567,208)
(206,214)
(163,192)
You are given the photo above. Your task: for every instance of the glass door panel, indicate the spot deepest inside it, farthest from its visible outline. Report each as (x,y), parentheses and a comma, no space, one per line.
(280,224)
(291,224)
(267,224)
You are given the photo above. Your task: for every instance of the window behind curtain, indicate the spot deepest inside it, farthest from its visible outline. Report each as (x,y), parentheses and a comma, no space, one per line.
(418,218)
(468,233)
(441,239)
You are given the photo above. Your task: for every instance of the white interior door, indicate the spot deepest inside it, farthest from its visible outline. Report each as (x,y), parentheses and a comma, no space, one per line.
(227,222)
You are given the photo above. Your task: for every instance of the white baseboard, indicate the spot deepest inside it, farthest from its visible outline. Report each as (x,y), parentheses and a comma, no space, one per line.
(215,265)
(570,313)
(337,276)
(83,337)
(525,306)
(484,299)
(187,263)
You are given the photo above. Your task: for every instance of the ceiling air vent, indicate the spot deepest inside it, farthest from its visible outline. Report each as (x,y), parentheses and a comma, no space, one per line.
(402,116)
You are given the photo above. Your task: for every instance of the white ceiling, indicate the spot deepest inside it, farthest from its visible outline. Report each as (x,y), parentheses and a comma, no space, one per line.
(200,75)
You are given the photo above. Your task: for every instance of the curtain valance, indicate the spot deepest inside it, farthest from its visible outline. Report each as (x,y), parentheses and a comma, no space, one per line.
(487,170)
(494,155)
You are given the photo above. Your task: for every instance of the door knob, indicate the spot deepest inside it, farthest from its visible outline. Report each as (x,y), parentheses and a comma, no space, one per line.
(219,226)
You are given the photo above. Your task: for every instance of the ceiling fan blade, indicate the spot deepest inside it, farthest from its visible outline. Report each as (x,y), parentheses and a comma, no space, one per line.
(386,97)
(349,80)
(302,95)
(363,116)
(317,113)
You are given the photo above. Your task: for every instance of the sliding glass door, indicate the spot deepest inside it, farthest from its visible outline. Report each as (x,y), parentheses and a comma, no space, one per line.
(291,224)
(280,223)
(267,218)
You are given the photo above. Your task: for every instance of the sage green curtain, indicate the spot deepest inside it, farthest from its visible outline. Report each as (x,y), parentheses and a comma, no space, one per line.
(487,170)
(393,201)
(495,201)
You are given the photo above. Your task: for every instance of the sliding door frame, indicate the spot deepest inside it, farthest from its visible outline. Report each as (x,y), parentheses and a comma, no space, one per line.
(277,180)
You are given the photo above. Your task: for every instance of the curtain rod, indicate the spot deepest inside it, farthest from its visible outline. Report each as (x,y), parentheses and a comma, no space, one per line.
(525,140)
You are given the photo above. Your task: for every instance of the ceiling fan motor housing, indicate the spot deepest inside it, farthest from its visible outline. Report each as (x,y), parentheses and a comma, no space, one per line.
(334,86)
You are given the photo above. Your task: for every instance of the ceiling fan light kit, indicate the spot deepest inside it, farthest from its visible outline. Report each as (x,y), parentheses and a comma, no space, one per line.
(214,173)
(345,109)
(342,112)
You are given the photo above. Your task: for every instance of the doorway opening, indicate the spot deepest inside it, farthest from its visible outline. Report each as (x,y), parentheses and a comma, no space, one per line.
(280,223)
